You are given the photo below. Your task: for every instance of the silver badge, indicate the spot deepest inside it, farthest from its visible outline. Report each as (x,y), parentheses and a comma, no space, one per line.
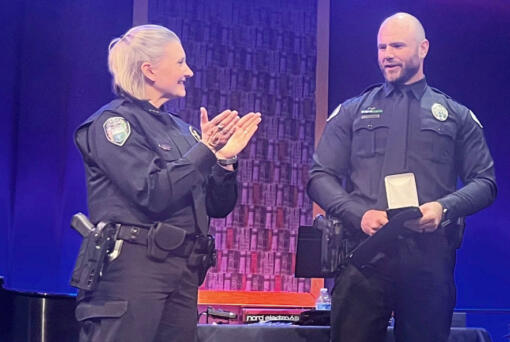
(439,112)
(195,133)
(473,116)
(117,130)
(334,113)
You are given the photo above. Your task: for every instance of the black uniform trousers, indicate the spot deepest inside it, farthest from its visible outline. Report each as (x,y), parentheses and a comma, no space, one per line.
(140,299)
(414,280)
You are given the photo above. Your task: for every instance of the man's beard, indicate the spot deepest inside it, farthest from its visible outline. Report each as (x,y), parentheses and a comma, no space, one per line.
(407,72)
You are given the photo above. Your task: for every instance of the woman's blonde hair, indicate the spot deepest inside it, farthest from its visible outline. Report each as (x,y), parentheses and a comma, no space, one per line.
(145,43)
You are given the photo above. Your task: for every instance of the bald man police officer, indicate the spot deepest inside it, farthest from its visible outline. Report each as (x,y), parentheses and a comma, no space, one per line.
(402,126)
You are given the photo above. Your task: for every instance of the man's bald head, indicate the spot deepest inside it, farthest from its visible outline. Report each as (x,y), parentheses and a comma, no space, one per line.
(402,47)
(405,22)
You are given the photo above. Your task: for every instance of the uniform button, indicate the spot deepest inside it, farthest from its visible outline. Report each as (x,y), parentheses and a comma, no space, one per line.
(370,126)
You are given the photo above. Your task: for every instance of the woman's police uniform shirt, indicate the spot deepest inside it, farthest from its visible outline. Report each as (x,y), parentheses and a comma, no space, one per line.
(389,130)
(144,165)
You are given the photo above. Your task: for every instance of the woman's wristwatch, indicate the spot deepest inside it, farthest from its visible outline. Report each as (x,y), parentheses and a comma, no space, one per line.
(227,162)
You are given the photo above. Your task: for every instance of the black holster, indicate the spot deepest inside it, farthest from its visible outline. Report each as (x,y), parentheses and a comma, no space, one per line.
(203,256)
(91,258)
(337,242)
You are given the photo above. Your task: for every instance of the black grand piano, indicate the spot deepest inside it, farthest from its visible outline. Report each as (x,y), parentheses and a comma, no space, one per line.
(36,317)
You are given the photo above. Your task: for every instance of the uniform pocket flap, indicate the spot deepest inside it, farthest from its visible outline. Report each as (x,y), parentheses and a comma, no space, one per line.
(438,127)
(368,125)
(111,309)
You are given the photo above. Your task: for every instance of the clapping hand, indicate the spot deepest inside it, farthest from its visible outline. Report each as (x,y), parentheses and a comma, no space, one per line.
(244,130)
(217,132)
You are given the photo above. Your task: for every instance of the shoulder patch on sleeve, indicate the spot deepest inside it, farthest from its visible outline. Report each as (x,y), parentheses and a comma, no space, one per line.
(473,116)
(334,113)
(117,130)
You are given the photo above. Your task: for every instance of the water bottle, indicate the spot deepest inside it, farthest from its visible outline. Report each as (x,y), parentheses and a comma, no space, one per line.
(323,302)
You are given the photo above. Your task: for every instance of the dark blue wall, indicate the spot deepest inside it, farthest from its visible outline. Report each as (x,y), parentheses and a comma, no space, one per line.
(56,76)
(469,59)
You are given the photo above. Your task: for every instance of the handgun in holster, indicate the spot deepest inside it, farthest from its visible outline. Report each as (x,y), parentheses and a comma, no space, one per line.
(341,246)
(336,243)
(98,242)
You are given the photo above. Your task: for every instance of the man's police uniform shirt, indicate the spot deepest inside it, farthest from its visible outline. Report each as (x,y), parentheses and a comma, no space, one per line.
(160,173)
(347,176)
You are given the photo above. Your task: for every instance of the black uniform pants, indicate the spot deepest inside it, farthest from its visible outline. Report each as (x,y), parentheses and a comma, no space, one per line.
(139,299)
(414,280)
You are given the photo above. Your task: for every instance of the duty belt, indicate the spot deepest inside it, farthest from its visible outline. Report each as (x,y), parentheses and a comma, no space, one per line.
(138,235)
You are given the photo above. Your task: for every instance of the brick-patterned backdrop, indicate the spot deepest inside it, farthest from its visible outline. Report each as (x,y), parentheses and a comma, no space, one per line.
(254,56)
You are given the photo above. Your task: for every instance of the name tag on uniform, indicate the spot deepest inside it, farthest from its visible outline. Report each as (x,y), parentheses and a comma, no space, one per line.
(371,113)
(401,190)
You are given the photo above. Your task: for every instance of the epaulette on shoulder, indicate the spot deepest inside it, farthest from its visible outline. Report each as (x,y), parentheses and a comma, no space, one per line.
(371,87)
(440,92)
(356,99)
(112,105)
(453,102)
(435,90)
